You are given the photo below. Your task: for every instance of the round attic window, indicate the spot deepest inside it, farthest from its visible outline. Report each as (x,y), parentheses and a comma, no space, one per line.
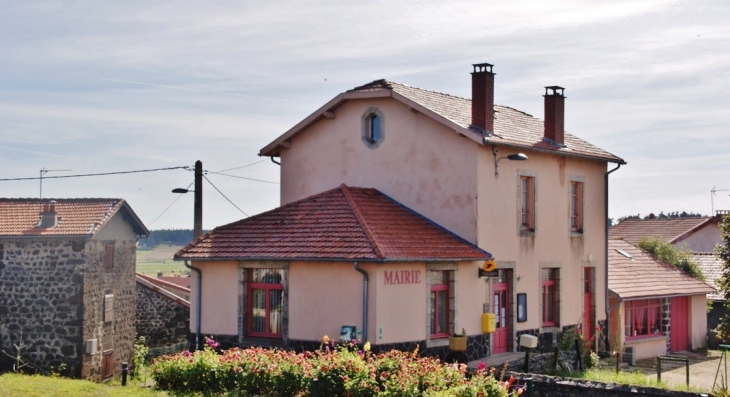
(372,128)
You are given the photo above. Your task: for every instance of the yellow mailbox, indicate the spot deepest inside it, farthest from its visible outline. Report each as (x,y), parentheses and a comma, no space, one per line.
(489,323)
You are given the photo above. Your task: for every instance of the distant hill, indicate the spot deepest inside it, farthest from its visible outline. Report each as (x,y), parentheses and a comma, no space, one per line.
(175,237)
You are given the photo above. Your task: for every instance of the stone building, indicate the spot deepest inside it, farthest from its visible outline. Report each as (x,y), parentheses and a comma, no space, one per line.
(67,285)
(163,313)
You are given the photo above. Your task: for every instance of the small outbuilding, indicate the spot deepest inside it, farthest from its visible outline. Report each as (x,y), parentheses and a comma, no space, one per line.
(655,308)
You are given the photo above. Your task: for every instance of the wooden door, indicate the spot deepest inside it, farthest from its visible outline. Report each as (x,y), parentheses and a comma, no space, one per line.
(679,324)
(501,311)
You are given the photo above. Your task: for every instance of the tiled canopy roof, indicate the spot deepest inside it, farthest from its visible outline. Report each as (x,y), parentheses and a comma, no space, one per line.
(76,217)
(711,266)
(672,230)
(340,224)
(511,127)
(643,276)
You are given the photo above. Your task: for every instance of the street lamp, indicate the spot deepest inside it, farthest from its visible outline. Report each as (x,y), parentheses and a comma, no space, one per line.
(511,157)
(198,206)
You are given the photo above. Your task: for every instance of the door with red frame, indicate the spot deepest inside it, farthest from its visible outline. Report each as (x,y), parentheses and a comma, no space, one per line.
(500,301)
(587,302)
(679,324)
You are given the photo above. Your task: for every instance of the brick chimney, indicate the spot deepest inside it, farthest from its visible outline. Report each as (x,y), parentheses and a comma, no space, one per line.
(482,97)
(555,115)
(49,217)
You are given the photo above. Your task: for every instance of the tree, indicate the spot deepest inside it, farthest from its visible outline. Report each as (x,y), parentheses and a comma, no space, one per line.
(723,251)
(680,258)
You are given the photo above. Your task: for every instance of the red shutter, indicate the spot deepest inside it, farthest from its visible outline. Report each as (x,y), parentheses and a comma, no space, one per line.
(531,203)
(579,206)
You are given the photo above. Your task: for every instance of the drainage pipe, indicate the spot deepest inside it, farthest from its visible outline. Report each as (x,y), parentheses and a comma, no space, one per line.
(197,305)
(274,161)
(364,301)
(605,291)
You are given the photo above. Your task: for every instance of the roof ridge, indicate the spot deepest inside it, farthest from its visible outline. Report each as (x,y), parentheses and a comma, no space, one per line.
(361,220)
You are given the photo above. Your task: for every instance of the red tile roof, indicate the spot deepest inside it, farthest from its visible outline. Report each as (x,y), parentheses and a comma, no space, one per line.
(643,276)
(340,224)
(711,266)
(76,217)
(672,230)
(511,127)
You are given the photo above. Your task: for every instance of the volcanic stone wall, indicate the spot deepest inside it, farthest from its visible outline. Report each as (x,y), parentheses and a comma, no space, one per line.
(161,319)
(41,303)
(115,332)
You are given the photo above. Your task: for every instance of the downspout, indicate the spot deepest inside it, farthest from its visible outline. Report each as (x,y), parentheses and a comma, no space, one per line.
(605,290)
(197,305)
(364,301)
(274,161)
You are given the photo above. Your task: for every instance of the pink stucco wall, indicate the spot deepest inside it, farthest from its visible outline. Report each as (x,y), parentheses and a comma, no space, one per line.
(703,240)
(219,309)
(418,163)
(553,245)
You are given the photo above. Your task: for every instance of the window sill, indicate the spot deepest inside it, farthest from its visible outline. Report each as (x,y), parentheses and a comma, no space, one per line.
(550,327)
(644,338)
(527,233)
(437,342)
(573,233)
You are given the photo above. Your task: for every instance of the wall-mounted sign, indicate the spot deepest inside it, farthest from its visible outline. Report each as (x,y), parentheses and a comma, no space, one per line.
(402,277)
(493,273)
(489,265)
(521,308)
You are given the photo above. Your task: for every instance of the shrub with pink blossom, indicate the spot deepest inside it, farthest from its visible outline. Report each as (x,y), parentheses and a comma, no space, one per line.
(335,370)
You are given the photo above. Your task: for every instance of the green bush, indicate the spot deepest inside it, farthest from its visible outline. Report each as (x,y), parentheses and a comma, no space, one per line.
(341,370)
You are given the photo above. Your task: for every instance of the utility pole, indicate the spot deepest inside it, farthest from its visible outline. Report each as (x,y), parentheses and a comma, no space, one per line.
(198,211)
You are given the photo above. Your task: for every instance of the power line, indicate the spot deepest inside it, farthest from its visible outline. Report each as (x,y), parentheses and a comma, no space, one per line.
(243,177)
(243,166)
(179,196)
(224,196)
(97,174)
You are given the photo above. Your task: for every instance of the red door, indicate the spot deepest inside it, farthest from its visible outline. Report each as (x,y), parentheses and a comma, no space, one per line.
(587,294)
(679,324)
(501,306)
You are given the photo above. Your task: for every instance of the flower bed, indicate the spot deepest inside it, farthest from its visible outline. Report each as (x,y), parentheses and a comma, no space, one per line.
(341,370)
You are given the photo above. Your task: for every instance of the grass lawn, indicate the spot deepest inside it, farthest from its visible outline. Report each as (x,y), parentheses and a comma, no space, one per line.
(160,260)
(14,385)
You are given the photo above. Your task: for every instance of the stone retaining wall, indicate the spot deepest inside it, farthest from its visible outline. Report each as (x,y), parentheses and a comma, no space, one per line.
(162,319)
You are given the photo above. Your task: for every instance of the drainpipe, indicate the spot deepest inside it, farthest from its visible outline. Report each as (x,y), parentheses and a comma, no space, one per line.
(197,305)
(364,302)
(605,291)
(274,161)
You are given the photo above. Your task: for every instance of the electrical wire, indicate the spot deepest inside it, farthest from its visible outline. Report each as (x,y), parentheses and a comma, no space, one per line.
(243,166)
(168,207)
(224,196)
(97,174)
(243,177)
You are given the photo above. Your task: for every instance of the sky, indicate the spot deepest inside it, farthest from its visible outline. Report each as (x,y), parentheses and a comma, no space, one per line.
(100,87)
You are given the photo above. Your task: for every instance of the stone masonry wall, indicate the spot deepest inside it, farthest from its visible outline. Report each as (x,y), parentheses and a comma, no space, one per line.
(163,321)
(41,301)
(116,335)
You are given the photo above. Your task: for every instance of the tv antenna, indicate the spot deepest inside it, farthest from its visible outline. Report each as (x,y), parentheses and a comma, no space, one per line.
(712,198)
(43,172)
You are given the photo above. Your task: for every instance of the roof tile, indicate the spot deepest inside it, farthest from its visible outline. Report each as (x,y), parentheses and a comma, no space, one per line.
(21,217)
(340,224)
(644,276)
(672,230)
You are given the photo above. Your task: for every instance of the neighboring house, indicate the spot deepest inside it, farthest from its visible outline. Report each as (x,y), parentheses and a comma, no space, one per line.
(449,160)
(67,288)
(163,312)
(655,307)
(699,234)
(711,266)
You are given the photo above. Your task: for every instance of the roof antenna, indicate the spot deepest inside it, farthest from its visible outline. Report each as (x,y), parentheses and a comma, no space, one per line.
(712,198)
(43,172)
